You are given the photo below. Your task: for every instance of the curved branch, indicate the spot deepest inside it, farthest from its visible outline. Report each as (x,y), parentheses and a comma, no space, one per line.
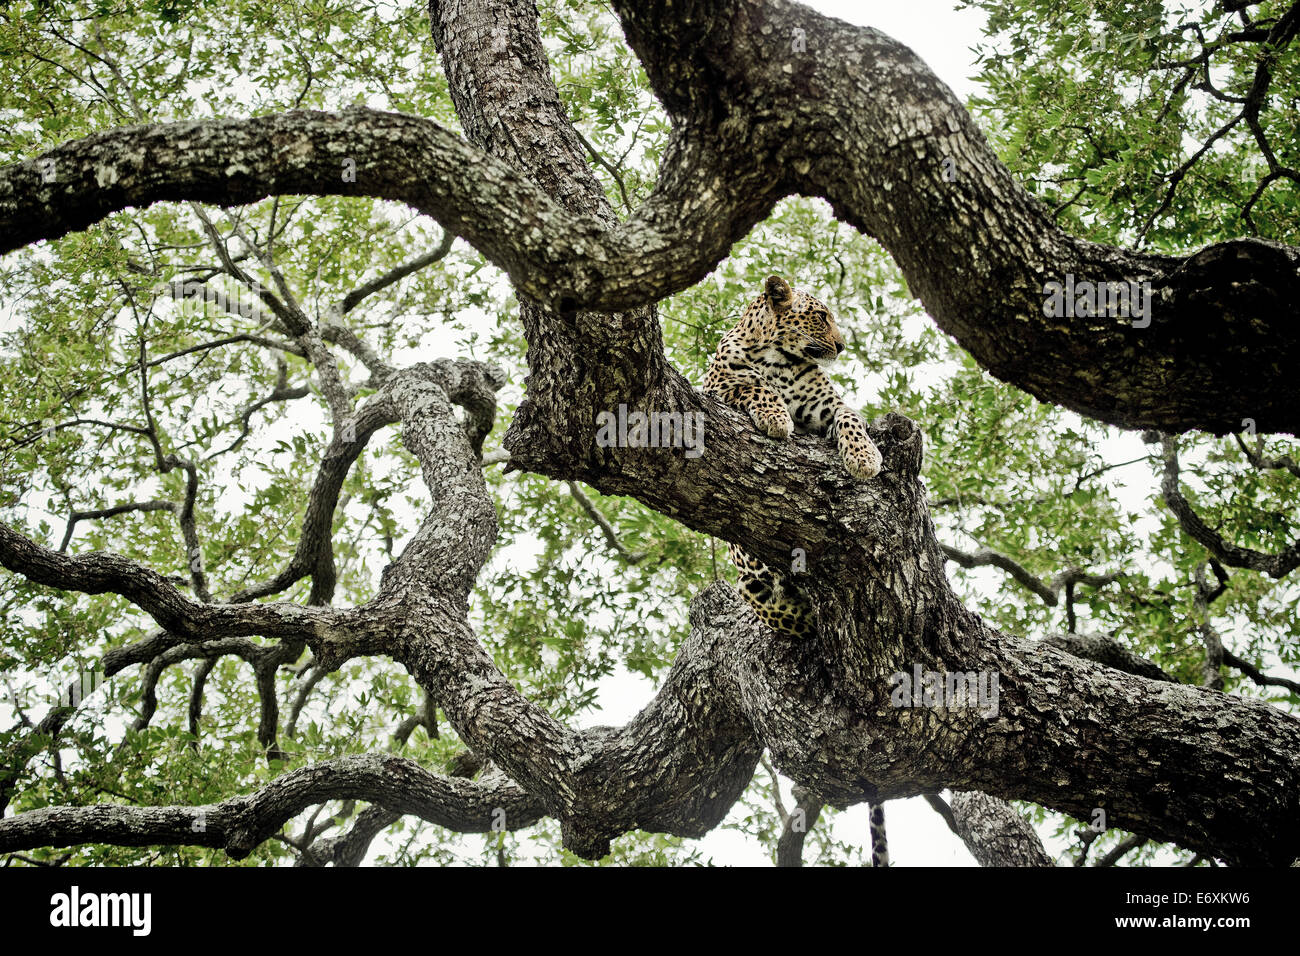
(280,393)
(1107,651)
(857,118)
(77,516)
(677,767)
(1274,565)
(100,572)
(556,255)
(1257,458)
(345,337)
(467,383)
(353,298)
(995,832)
(240,824)
(607,529)
(262,340)
(1113,855)
(880,152)
(350,848)
(1049,591)
(823,708)
(1258,676)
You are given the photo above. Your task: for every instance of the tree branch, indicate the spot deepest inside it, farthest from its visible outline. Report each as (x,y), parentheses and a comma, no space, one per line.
(876,152)
(100,572)
(995,832)
(1113,855)
(795,827)
(607,529)
(1049,591)
(1107,651)
(353,298)
(96,514)
(1258,676)
(241,823)
(1274,565)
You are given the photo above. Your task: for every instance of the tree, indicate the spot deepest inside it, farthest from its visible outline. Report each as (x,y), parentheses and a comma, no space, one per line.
(316,571)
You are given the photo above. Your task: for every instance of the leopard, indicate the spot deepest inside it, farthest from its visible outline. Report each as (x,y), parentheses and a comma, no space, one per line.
(771,366)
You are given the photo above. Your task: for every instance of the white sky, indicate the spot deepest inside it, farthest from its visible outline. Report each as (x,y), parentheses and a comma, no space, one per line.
(939,34)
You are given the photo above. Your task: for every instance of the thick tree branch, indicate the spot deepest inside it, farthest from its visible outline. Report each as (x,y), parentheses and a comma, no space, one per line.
(239,824)
(1106,650)
(864,124)
(100,572)
(795,827)
(995,832)
(470,384)
(823,708)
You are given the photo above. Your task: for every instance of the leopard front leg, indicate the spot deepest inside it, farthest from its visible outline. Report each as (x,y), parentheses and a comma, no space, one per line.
(745,390)
(861,456)
(770,414)
(818,408)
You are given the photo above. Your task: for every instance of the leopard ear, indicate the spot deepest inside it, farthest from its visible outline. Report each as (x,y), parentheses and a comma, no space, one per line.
(779,294)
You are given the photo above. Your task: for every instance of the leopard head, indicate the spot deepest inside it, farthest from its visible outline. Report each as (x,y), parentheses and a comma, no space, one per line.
(801,325)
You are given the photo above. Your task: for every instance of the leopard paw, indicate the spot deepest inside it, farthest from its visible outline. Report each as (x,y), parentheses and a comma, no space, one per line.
(777,424)
(862,461)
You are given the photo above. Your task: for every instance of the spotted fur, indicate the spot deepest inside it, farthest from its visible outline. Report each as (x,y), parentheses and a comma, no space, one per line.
(879,840)
(769,365)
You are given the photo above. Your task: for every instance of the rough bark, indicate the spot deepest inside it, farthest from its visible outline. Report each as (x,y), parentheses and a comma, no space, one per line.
(240,823)
(891,607)
(795,827)
(859,119)
(995,833)
(1274,565)
(1108,651)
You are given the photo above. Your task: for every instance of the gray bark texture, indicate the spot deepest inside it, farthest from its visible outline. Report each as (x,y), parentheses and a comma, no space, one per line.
(995,833)
(859,120)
